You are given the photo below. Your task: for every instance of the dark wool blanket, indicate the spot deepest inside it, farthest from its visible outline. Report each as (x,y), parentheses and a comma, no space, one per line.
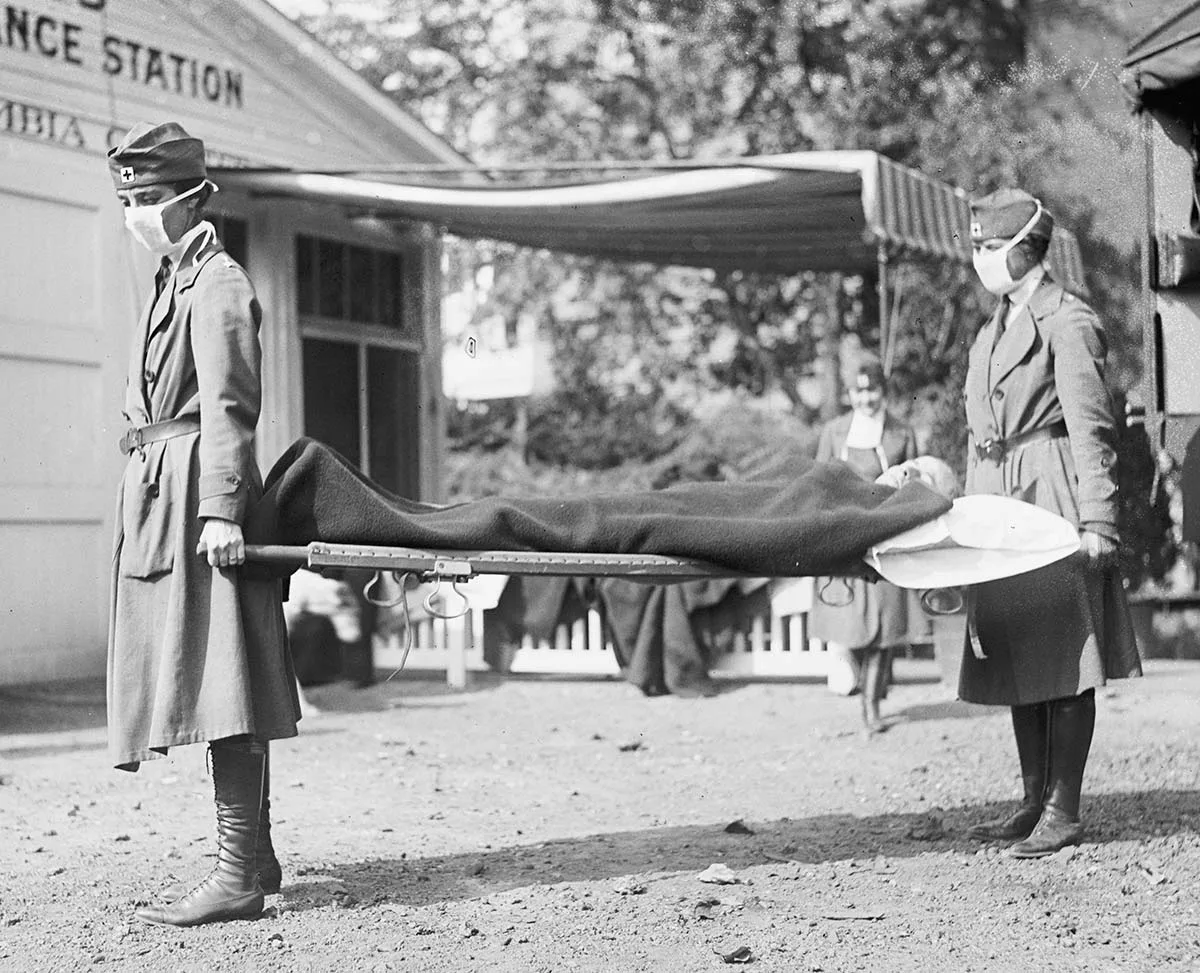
(812,519)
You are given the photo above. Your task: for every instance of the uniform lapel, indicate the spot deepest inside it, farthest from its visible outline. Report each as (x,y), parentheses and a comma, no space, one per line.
(199,250)
(137,368)
(158,342)
(160,310)
(981,351)
(1047,299)
(1021,334)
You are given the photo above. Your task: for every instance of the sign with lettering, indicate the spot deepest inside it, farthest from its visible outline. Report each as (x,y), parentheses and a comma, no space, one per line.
(44,124)
(87,47)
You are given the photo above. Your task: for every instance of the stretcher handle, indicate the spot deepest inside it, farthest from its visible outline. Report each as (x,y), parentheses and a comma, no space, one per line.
(277,554)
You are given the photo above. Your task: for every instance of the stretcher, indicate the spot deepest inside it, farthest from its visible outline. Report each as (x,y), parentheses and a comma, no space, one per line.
(980,538)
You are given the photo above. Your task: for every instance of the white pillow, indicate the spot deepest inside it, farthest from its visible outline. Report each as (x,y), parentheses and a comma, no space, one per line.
(981,538)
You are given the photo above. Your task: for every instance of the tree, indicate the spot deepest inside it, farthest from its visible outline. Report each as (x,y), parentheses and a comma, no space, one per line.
(957,88)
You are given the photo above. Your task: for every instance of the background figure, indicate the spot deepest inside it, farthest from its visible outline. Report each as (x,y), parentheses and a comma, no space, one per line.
(324,625)
(860,621)
(1040,425)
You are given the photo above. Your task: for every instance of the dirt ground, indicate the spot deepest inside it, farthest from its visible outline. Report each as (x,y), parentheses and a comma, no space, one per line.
(566,825)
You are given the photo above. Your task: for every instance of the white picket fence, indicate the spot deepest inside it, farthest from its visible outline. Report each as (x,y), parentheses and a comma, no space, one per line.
(772,644)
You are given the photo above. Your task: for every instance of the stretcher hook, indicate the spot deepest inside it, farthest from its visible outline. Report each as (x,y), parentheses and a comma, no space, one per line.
(826,597)
(372,587)
(942,601)
(428,603)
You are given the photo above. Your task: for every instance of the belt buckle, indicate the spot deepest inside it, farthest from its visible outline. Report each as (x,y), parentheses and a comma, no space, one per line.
(992,449)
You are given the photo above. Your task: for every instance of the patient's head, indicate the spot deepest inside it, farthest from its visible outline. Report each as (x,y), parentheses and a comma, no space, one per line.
(933,472)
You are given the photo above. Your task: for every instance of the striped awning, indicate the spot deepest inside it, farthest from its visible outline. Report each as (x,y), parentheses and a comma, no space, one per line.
(823,211)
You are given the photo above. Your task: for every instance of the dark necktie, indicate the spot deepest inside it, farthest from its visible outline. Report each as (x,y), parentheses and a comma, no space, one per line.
(161,278)
(1001,319)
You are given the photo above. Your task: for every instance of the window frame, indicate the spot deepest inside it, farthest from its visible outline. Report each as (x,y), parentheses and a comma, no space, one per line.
(360,334)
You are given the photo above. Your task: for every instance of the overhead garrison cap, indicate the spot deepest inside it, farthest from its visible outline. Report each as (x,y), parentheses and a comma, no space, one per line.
(1004,213)
(869,375)
(153,154)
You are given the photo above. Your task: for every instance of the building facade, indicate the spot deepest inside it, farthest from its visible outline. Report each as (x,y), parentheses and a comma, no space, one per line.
(351,332)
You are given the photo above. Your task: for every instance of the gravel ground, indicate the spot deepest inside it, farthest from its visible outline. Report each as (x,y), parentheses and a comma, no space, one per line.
(549,825)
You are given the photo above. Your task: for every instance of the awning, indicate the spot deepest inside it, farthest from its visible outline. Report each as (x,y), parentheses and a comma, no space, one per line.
(823,211)
(1162,68)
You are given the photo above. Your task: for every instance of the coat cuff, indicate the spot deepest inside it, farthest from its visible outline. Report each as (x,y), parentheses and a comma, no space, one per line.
(223,495)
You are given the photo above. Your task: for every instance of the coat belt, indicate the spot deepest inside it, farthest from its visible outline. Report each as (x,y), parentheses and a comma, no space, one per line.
(996,449)
(139,436)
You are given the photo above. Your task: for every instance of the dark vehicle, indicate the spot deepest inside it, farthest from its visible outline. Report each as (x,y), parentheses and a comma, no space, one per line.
(1162,76)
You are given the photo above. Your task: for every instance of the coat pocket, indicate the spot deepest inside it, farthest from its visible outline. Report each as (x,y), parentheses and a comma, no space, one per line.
(149,544)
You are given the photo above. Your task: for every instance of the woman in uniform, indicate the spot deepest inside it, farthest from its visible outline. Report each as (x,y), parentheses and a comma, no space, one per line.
(861,622)
(1041,429)
(197,654)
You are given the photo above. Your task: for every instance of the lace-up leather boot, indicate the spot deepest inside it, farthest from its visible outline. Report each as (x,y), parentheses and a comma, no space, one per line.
(231,890)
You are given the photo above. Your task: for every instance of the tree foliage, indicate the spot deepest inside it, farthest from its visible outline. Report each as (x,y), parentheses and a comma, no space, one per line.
(965,90)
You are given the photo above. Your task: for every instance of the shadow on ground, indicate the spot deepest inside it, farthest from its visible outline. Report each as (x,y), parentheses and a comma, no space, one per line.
(804,841)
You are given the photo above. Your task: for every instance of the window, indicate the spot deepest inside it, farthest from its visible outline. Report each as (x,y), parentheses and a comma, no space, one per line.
(235,235)
(346,282)
(361,360)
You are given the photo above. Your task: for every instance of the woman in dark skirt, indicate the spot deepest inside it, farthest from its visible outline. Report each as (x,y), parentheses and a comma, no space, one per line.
(855,618)
(1041,429)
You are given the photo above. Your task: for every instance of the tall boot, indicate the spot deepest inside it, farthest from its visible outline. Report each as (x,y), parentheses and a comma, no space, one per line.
(1031,729)
(1072,723)
(270,875)
(231,890)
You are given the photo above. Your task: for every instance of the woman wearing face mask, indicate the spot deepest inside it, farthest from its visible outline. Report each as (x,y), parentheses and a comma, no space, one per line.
(197,653)
(1041,429)
(862,622)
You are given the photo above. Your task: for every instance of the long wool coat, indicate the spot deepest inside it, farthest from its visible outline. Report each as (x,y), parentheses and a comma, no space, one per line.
(858,614)
(1065,628)
(195,653)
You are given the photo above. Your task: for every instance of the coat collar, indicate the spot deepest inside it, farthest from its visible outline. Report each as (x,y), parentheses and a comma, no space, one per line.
(894,431)
(201,248)
(1019,336)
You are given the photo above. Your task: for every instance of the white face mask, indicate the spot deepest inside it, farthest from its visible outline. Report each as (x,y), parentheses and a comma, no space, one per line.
(992,265)
(146,223)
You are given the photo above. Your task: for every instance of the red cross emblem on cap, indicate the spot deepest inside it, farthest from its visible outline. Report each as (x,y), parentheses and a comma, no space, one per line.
(976,228)
(127,174)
